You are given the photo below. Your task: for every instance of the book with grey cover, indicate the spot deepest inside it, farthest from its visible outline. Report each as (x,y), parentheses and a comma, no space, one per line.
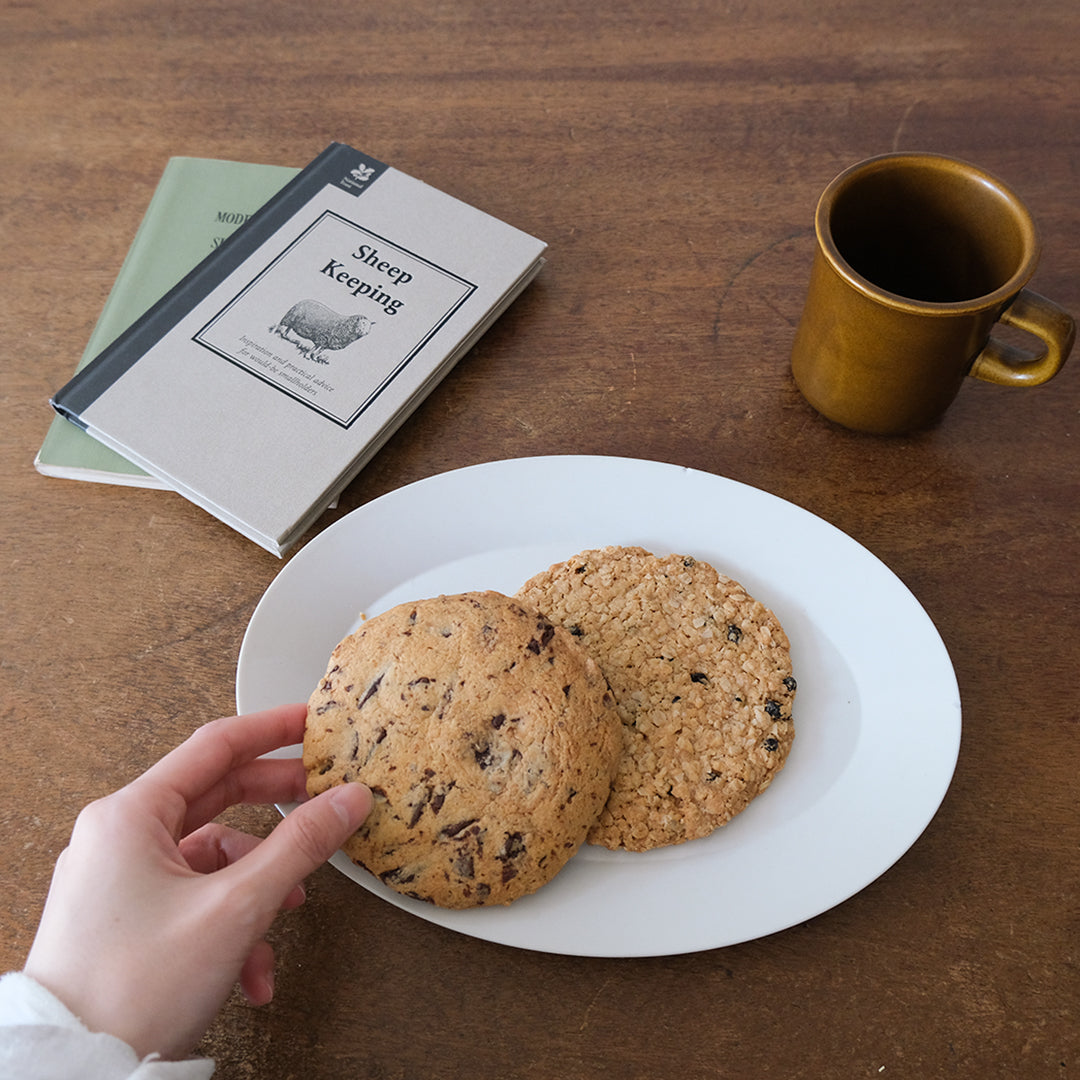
(269,376)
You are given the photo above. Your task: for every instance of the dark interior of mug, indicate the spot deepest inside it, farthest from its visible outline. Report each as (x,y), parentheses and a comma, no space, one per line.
(929,232)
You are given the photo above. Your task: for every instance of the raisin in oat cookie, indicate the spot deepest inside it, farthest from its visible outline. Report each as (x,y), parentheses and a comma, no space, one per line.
(488,736)
(702,679)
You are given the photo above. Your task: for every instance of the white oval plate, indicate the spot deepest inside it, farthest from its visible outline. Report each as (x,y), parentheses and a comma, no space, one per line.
(877,713)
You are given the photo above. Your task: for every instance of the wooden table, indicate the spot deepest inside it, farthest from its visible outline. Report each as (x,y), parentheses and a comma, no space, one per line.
(671,155)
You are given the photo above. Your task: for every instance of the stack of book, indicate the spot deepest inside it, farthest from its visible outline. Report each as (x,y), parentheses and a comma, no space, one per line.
(257,370)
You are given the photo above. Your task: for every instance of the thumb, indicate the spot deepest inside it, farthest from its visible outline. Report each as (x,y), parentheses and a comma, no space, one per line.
(306,838)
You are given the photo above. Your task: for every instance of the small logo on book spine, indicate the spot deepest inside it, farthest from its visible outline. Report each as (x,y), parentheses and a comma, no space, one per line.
(363,172)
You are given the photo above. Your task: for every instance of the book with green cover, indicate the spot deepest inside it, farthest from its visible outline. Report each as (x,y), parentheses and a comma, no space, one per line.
(197,203)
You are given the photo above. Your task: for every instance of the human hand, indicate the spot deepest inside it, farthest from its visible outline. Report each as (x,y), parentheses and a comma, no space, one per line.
(155,912)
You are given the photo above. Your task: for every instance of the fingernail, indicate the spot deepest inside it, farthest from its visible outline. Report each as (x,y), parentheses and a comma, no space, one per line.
(261,995)
(352,801)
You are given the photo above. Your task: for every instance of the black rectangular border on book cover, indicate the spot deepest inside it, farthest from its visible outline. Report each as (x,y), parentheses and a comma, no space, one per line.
(335,165)
(470,289)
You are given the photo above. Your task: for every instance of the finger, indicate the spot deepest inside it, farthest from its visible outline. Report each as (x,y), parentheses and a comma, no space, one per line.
(304,840)
(220,746)
(215,846)
(268,780)
(257,974)
(211,753)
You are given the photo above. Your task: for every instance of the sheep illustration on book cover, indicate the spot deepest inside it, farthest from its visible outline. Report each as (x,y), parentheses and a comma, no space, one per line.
(324,329)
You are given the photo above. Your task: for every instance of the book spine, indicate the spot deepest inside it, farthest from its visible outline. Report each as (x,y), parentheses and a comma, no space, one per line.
(338,164)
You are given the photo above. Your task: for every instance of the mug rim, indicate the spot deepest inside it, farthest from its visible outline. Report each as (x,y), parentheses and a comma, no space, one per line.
(1004,293)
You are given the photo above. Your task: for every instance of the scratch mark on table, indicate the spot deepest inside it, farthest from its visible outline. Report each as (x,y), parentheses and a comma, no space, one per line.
(746,265)
(592,1005)
(903,121)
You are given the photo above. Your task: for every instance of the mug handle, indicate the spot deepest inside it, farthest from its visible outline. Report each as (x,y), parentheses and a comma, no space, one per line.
(1009,366)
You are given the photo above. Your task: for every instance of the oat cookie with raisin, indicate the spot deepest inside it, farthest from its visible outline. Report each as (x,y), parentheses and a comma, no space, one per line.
(487,734)
(701,673)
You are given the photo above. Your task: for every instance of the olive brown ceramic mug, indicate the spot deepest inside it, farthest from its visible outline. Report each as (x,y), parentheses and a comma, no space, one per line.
(918,256)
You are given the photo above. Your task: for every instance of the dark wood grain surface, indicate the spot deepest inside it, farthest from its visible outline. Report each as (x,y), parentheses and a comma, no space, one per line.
(671,155)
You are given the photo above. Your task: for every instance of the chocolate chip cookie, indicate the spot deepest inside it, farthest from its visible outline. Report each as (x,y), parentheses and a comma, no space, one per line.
(487,734)
(702,678)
